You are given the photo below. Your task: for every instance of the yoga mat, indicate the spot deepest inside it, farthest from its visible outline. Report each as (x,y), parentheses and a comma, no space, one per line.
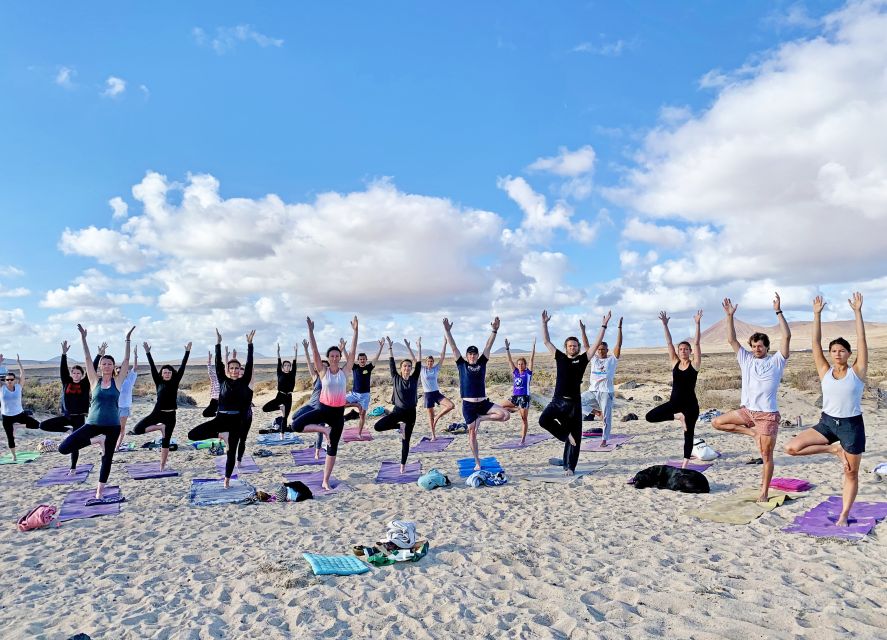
(74,506)
(466,466)
(204,444)
(207,492)
(389,473)
(59,475)
(306,456)
(533,438)
(426,445)
(701,467)
(820,520)
(248,465)
(790,484)
(593,433)
(272,439)
(742,507)
(350,435)
(557,475)
(615,440)
(21,457)
(313,479)
(148,471)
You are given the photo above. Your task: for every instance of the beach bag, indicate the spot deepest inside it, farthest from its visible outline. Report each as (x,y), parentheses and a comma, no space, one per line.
(37,518)
(298,491)
(432,480)
(702,451)
(401,533)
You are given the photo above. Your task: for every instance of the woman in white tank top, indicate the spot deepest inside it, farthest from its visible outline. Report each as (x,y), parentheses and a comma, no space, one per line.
(840,431)
(329,417)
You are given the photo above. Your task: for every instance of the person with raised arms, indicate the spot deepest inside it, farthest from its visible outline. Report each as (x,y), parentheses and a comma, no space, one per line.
(432,396)
(520,388)
(840,431)
(682,405)
(562,418)
(11,405)
(125,402)
(329,418)
(404,397)
(234,400)
(603,371)
(163,417)
(286,383)
(476,406)
(758,416)
(102,427)
(361,374)
(75,401)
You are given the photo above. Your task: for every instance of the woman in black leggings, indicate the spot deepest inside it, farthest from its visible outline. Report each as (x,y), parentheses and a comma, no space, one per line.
(75,401)
(163,417)
(404,395)
(286,382)
(682,405)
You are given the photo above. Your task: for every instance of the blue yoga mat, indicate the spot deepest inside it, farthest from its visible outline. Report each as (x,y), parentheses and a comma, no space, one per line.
(466,466)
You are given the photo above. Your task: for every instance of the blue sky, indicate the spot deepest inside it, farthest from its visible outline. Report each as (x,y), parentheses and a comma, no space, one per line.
(435,133)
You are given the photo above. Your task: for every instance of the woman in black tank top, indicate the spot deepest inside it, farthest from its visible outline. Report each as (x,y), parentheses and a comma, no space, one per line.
(682,405)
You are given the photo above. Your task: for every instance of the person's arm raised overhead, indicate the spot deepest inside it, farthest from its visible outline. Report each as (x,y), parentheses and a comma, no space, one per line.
(533,356)
(729,311)
(861,365)
(605,320)
(248,371)
(546,338)
(495,329)
(448,326)
(87,357)
(410,349)
(669,345)
(783,325)
(697,341)
(181,372)
(443,352)
(124,366)
(617,350)
(379,352)
(21,371)
(221,374)
(155,375)
(819,359)
(349,361)
(64,373)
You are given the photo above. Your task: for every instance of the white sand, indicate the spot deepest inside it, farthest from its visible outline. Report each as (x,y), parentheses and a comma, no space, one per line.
(593,559)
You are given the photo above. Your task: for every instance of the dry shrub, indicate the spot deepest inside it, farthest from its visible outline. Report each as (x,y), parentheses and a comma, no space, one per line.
(42,398)
(267,385)
(804,379)
(718,380)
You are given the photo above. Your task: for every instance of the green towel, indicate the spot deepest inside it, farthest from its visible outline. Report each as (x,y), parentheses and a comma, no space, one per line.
(20,457)
(742,508)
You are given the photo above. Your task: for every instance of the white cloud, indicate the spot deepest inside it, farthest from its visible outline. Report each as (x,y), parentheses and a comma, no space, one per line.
(795,16)
(114,87)
(17,292)
(65,77)
(227,38)
(13,327)
(107,246)
(145,91)
(612,49)
(118,207)
(10,271)
(567,163)
(662,235)
(784,175)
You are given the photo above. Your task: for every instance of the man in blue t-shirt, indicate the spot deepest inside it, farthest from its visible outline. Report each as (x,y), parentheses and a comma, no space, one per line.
(476,407)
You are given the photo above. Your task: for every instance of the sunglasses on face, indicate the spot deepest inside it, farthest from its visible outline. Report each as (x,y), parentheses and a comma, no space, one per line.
(10,379)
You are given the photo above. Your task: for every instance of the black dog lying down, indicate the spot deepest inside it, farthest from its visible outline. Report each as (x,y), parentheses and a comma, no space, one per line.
(662,476)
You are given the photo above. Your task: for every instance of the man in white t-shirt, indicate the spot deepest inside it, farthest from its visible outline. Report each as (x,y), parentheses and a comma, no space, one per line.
(603,369)
(758,415)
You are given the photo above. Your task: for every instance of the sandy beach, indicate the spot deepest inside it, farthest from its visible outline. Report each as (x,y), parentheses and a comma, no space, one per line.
(595,558)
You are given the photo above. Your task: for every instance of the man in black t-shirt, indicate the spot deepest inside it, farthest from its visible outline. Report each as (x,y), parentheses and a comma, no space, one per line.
(563,416)
(359,396)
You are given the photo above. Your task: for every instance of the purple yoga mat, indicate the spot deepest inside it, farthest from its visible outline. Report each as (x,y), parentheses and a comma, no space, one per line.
(148,471)
(533,438)
(74,506)
(427,446)
(820,520)
(313,479)
(59,475)
(701,467)
(248,465)
(390,473)
(614,441)
(306,456)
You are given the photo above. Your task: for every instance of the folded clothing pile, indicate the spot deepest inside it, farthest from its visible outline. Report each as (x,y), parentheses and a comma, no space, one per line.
(486,479)
(401,543)
(433,479)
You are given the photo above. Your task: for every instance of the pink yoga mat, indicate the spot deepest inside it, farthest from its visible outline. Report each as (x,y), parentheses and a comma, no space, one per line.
(350,435)
(614,441)
(702,467)
(790,484)
(313,479)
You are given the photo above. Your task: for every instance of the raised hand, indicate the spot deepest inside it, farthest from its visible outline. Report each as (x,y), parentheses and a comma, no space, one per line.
(495,323)
(209,357)
(250,336)
(729,307)
(218,337)
(188,347)
(546,317)
(698,317)
(147,347)
(389,342)
(82,331)
(129,333)
(819,304)
(18,360)
(419,342)
(305,344)
(606,319)
(278,349)
(382,342)
(664,317)
(354,323)
(342,345)
(620,322)
(65,347)
(102,348)
(447,325)
(406,342)
(856,302)
(507,344)
(777,303)
(310,323)
(581,326)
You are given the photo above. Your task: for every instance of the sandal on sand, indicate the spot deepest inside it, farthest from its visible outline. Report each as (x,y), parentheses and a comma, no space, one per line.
(754,461)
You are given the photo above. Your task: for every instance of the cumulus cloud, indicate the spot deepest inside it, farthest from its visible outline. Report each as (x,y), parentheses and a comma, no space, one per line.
(540,221)
(782,180)
(65,77)
(227,38)
(13,326)
(119,208)
(114,87)
(576,167)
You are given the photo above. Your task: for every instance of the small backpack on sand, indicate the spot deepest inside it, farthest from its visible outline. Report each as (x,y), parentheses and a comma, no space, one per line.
(37,518)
